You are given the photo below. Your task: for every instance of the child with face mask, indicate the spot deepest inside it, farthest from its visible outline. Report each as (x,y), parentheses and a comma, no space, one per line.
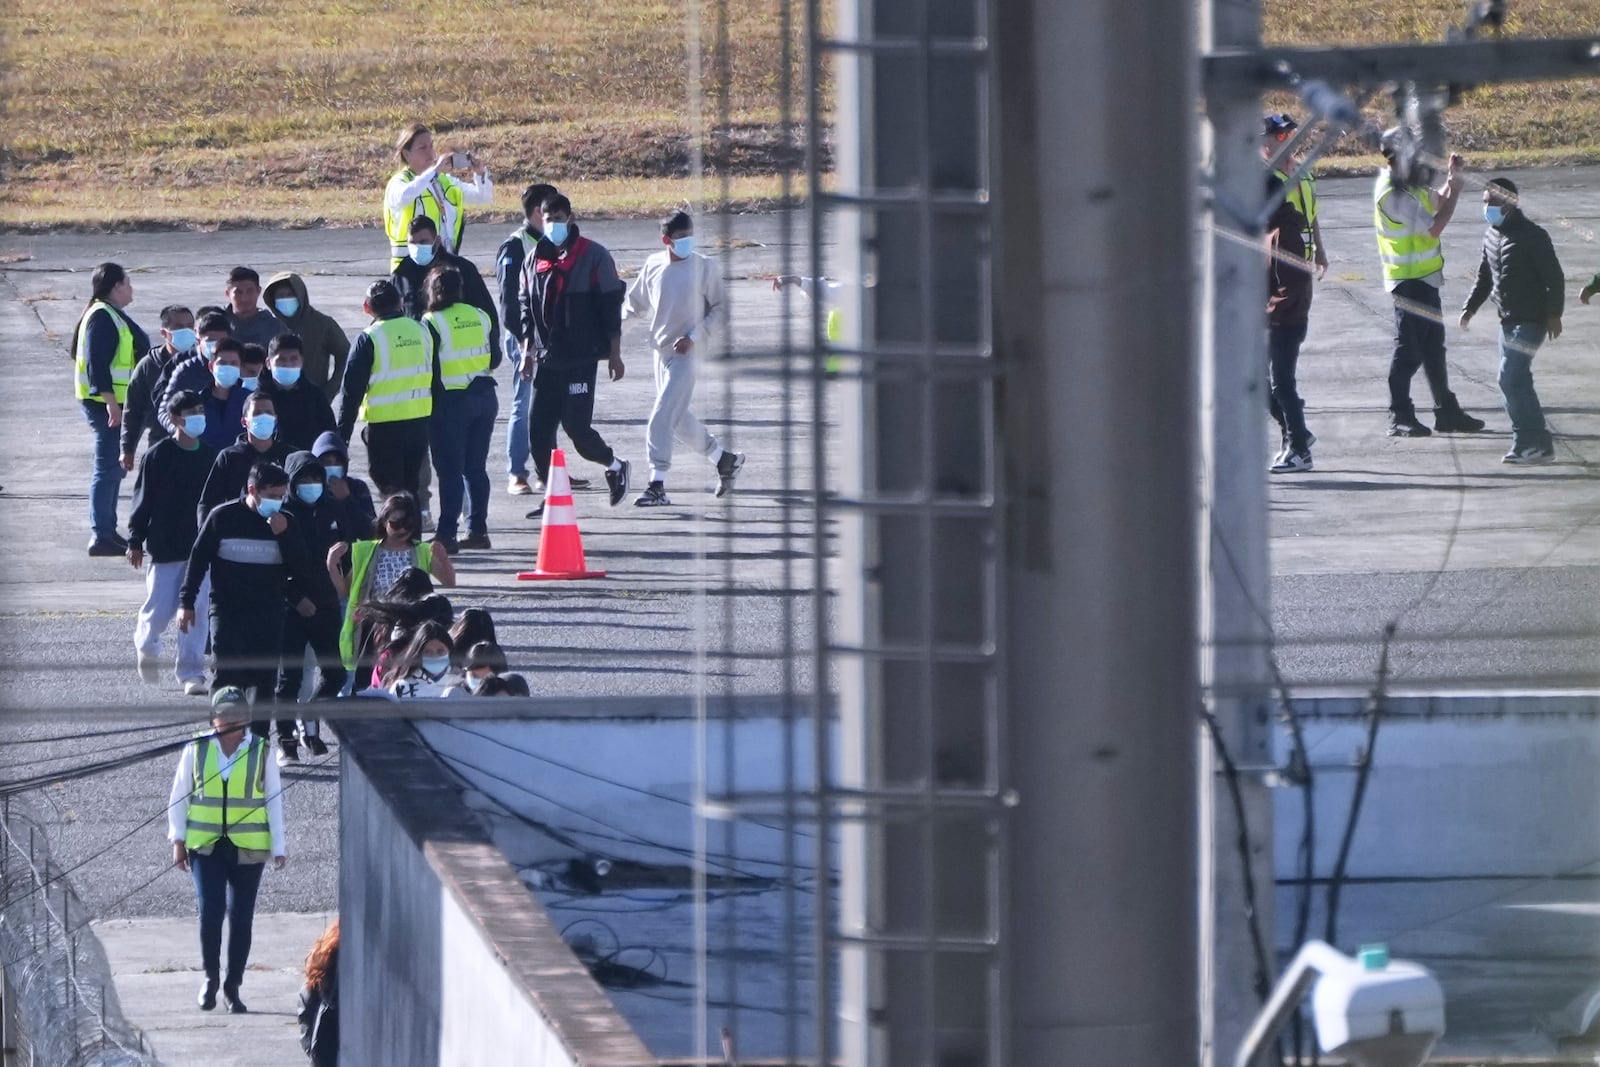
(164,527)
(423,669)
(320,629)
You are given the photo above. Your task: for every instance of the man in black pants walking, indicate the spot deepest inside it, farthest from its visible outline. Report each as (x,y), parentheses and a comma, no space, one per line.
(571,304)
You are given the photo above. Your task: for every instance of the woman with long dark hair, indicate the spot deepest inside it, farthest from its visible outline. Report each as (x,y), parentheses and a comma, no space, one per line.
(105,346)
(423,669)
(319,1000)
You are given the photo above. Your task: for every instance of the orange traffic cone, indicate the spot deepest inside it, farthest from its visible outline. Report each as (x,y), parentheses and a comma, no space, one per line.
(560,544)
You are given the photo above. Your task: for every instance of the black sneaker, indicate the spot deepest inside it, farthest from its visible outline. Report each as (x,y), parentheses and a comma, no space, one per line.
(1456,421)
(1529,456)
(478,540)
(106,547)
(288,751)
(654,496)
(1292,462)
(208,995)
(727,467)
(617,482)
(315,745)
(578,483)
(451,545)
(537,512)
(230,996)
(1408,427)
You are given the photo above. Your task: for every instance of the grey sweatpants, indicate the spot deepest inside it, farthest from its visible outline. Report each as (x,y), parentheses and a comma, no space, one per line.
(671,418)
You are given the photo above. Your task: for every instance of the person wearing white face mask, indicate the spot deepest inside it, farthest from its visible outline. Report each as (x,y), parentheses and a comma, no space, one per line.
(249,548)
(259,443)
(323,344)
(422,188)
(178,339)
(678,292)
(303,412)
(163,527)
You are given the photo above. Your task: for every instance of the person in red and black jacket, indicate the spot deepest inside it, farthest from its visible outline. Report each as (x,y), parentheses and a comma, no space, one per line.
(1288,313)
(571,319)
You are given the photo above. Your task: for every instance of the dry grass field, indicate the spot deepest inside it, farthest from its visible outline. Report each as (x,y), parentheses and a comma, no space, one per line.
(241,112)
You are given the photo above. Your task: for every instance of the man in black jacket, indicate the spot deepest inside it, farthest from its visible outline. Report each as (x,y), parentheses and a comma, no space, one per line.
(303,412)
(178,339)
(259,443)
(309,504)
(347,497)
(571,305)
(163,526)
(1520,271)
(249,548)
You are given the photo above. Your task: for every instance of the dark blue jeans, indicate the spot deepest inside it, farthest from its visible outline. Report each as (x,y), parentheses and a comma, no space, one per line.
(225,886)
(1518,342)
(1289,411)
(458,435)
(1418,342)
(106,480)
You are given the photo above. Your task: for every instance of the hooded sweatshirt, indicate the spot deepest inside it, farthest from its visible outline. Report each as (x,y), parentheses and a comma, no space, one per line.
(319,526)
(325,345)
(355,512)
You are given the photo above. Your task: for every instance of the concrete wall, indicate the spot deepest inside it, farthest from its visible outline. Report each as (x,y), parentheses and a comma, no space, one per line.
(1461,786)
(447,958)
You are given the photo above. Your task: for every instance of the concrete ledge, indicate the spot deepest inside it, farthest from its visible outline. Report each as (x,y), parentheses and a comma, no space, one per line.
(445,947)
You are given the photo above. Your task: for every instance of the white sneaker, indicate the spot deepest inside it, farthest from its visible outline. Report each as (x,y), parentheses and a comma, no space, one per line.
(195,687)
(518,486)
(149,669)
(427,522)
(1292,462)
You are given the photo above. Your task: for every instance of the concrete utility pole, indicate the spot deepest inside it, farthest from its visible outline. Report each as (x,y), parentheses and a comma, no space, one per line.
(1098,415)
(1237,600)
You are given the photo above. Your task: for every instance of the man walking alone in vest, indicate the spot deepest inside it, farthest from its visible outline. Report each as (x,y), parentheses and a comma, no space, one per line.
(1409,220)
(1520,271)
(679,294)
(225,819)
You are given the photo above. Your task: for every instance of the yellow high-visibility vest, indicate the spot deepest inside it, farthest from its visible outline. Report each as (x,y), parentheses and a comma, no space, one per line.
(1304,198)
(361,556)
(401,385)
(463,344)
(1406,253)
(397,223)
(121,363)
(235,808)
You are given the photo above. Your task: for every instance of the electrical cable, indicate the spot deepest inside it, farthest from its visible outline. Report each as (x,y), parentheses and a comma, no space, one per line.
(88,735)
(1363,774)
(1263,983)
(79,755)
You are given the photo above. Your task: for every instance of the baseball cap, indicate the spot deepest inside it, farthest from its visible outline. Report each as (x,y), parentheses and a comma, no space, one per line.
(228,694)
(1279,124)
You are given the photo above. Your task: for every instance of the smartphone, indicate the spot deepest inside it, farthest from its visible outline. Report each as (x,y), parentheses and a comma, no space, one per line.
(459,161)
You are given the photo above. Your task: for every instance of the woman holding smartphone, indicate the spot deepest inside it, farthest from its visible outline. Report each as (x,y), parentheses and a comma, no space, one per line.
(423,186)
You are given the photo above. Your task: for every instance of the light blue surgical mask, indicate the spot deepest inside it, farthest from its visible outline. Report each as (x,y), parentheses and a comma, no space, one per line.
(183,340)
(286,375)
(1493,214)
(252,383)
(682,246)
(423,254)
(334,472)
(194,425)
(475,681)
(556,232)
(287,306)
(269,507)
(207,347)
(225,374)
(436,665)
(263,426)
(310,492)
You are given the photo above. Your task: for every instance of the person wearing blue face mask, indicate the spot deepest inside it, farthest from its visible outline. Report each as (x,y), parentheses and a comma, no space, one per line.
(178,340)
(259,443)
(323,344)
(162,529)
(214,371)
(303,411)
(678,293)
(348,497)
(1520,271)
(312,509)
(422,670)
(255,555)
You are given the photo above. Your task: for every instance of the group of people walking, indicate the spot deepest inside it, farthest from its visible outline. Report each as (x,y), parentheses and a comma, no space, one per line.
(1518,270)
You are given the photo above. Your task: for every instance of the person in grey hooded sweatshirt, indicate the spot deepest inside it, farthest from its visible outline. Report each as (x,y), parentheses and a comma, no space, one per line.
(323,343)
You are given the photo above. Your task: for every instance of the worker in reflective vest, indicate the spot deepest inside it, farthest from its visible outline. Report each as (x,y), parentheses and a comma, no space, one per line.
(390,381)
(105,346)
(225,819)
(1303,194)
(419,186)
(1409,221)
(463,418)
